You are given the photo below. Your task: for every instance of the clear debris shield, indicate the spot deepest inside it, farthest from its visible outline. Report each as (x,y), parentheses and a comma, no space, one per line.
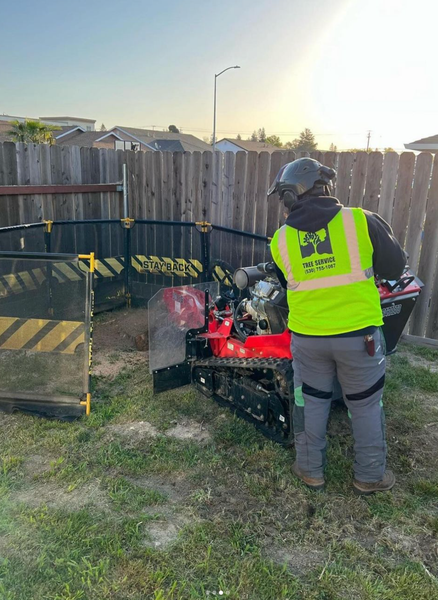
(46,306)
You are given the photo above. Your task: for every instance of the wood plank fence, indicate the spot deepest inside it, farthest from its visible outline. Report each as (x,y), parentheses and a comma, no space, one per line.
(228,190)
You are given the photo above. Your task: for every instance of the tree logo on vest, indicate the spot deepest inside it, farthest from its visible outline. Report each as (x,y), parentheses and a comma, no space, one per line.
(316,242)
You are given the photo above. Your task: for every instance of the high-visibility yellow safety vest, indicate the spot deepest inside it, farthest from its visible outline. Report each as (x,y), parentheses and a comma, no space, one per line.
(329,274)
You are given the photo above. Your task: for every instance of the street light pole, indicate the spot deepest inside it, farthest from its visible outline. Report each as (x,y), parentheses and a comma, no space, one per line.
(214,104)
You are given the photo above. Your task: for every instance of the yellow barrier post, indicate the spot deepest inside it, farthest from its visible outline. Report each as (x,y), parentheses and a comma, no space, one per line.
(205,244)
(127,224)
(89,313)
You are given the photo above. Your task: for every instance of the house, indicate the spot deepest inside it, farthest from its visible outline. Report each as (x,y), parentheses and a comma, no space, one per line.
(66,129)
(72,131)
(77,136)
(86,124)
(429,144)
(147,139)
(234,145)
(69,135)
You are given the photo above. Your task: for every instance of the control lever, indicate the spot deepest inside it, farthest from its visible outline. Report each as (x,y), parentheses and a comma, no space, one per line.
(402,283)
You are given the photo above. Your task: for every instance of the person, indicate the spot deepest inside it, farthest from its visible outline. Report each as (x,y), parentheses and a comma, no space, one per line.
(326,255)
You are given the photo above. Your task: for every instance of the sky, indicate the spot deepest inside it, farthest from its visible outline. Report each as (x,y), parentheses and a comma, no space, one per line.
(339,67)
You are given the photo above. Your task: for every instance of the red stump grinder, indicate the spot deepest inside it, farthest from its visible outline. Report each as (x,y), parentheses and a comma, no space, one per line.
(235,347)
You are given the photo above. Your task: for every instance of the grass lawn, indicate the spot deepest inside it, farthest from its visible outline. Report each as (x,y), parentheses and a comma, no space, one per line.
(172,498)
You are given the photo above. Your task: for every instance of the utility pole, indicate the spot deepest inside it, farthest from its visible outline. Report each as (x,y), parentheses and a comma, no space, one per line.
(368,139)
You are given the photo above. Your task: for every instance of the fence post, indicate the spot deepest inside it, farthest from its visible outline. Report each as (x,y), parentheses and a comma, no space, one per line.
(127,225)
(125,192)
(48,248)
(204,232)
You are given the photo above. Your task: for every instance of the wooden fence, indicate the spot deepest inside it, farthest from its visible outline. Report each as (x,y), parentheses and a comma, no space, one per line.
(229,189)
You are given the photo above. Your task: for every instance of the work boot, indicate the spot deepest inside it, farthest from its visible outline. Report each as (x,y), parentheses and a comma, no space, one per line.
(314,483)
(366,488)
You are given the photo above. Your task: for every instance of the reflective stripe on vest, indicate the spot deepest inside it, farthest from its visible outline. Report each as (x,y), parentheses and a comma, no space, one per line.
(356,274)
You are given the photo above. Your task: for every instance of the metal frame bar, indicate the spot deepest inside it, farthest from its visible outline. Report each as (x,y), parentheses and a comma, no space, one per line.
(170,223)
(22,227)
(41,256)
(254,236)
(86,222)
(74,223)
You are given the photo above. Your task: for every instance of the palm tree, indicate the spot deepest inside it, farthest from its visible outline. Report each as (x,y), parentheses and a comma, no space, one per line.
(32,132)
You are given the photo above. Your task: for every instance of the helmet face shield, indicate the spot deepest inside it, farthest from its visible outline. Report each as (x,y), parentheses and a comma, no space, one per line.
(273,187)
(275,183)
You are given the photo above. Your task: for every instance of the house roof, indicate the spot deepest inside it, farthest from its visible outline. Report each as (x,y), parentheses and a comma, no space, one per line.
(251,146)
(161,140)
(79,137)
(429,143)
(64,130)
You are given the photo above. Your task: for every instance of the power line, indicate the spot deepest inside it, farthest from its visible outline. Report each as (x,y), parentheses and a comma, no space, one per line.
(200,130)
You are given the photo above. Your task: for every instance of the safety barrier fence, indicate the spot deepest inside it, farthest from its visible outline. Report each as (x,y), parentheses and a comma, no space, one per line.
(46,331)
(156,253)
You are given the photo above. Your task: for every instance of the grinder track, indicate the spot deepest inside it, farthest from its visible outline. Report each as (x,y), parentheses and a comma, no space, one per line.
(260,390)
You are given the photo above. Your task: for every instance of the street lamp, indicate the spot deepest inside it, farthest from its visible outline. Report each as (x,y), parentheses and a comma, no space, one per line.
(214,109)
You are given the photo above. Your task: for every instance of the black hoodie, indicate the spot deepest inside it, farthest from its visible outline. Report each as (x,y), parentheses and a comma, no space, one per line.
(314,213)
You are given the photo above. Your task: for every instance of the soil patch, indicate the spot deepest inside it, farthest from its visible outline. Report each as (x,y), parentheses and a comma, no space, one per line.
(109,364)
(177,490)
(423,548)
(162,532)
(420,361)
(118,330)
(299,561)
(37,464)
(134,432)
(189,430)
(138,430)
(52,495)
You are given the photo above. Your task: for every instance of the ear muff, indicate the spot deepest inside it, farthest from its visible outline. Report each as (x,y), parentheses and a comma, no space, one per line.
(289,199)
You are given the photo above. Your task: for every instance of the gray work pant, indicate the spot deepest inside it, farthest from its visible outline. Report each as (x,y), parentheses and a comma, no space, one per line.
(316,362)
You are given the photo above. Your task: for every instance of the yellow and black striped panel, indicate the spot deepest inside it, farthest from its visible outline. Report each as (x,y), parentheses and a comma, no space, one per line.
(223,275)
(106,267)
(16,283)
(41,335)
(181,267)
